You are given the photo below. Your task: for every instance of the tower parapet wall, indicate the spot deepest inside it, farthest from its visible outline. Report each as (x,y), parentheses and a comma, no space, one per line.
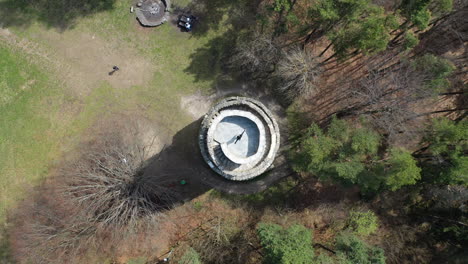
(214,153)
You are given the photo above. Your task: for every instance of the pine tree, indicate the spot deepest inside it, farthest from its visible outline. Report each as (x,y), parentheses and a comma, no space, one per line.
(351,155)
(445,160)
(292,245)
(403,169)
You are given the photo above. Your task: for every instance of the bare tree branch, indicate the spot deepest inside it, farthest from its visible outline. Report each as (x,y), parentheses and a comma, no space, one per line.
(298,72)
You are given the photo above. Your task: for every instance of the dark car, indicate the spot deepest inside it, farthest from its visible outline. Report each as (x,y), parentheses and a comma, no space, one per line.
(186,22)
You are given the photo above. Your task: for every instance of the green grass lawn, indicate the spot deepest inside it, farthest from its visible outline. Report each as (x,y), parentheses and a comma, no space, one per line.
(34,127)
(26,144)
(37,126)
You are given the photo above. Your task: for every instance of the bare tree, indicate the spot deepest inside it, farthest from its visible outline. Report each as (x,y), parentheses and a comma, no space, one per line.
(256,55)
(112,184)
(108,194)
(50,229)
(389,98)
(298,72)
(214,240)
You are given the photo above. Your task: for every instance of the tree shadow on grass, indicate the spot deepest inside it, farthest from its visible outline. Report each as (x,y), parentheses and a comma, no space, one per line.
(219,14)
(208,62)
(60,14)
(231,17)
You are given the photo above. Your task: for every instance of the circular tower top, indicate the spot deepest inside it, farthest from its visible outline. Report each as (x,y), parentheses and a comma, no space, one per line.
(239,138)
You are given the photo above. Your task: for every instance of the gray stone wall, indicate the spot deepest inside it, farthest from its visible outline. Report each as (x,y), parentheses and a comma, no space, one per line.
(272,139)
(148,19)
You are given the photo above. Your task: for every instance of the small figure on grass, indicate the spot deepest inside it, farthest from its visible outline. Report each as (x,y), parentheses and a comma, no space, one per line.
(114,69)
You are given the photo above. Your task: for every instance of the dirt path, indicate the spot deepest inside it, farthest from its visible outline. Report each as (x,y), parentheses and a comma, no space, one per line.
(25,45)
(196,105)
(82,60)
(87,59)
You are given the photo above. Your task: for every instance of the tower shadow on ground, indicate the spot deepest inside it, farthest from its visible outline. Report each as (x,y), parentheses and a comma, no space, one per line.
(183,161)
(59,14)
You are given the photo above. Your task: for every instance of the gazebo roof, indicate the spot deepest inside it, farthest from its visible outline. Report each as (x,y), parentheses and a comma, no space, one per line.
(152,13)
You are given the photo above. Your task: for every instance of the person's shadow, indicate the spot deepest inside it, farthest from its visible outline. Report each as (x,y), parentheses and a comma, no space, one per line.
(114,69)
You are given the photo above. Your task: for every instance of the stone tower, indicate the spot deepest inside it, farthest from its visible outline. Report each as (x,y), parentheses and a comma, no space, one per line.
(239,138)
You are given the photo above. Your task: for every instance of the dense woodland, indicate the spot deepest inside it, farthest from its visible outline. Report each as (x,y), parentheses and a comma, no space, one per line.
(376,100)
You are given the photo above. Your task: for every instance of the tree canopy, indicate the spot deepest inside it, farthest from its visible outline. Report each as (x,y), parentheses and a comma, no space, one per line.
(351,155)
(403,169)
(351,250)
(291,245)
(447,147)
(368,34)
(410,41)
(363,222)
(420,12)
(190,257)
(434,71)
